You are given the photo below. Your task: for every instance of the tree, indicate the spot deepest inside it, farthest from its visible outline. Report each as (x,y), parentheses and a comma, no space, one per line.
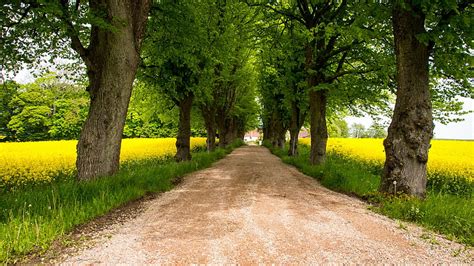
(150,114)
(376,131)
(174,60)
(275,113)
(8,91)
(282,87)
(107,37)
(422,30)
(294,87)
(358,130)
(337,45)
(227,103)
(47,109)
(337,128)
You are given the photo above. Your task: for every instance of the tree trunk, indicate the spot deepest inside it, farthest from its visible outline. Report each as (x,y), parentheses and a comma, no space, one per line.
(319,132)
(209,116)
(183,141)
(223,134)
(411,129)
(226,127)
(211,138)
(281,139)
(293,149)
(232,132)
(265,132)
(239,130)
(297,120)
(317,110)
(112,60)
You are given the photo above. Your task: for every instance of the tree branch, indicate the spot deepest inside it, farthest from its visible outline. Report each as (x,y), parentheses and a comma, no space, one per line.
(318,15)
(343,48)
(341,62)
(72,33)
(446,17)
(281,12)
(23,16)
(338,10)
(139,17)
(303,7)
(347,72)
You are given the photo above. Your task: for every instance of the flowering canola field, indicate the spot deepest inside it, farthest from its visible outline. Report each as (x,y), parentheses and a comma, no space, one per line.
(446,157)
(23,162)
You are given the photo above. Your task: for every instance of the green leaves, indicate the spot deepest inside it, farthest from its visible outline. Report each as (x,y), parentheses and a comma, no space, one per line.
(173,53)
(44,109)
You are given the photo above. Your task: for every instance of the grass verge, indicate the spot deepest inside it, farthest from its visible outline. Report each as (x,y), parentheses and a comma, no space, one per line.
(447,211)
(33,217)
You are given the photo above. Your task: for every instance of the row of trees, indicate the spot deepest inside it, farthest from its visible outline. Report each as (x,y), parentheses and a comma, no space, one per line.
(374,131)
(193,54)
(52,109)
(311,60)
(198,53)
(44,109)
(326,58)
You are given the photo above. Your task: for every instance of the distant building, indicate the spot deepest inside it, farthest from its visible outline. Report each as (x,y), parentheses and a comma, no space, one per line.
(253,135)
(304,133)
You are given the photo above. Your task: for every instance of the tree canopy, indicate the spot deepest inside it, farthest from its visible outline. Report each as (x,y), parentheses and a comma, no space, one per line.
(221,68)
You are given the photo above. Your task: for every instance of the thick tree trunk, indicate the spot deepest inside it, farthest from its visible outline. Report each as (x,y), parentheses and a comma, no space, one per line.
(265,132)
(224,127)
(317,110)
(183,141)
(241,135)
(211,138)
(277,130)
(293,149)
(232,131)
(98,149)
(112,60)
(239,129)
(297,120)
(209,116)
(228,131)
(274,130)
(319,132)
(281,139)
(411,129)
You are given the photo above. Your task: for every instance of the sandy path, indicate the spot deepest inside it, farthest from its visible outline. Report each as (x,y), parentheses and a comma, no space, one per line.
(252,208)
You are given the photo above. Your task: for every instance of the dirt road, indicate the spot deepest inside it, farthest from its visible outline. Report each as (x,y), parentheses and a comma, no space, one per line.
(252,208)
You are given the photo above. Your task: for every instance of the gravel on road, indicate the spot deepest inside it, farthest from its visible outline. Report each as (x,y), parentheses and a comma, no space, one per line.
(251,208)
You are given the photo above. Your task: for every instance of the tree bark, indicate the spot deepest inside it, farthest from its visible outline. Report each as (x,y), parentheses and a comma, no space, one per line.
(297,120)
(111,60)
(319,132)
(209,116)
(279,136)
(183,141)
(411,129)
(227,131)
(317,110)
(222,127)
(211,138)
(281,139)
(265,132)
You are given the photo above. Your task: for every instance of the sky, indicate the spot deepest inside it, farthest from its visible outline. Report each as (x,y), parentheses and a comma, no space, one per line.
(459,130)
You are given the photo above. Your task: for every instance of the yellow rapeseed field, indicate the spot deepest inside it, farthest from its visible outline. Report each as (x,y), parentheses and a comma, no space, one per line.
(22,162)
(447,157)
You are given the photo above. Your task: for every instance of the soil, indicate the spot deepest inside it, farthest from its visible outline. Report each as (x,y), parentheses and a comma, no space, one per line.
(251,208)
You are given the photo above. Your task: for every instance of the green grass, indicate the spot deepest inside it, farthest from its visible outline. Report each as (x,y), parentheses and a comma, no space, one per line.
(31,218)
(447,209)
